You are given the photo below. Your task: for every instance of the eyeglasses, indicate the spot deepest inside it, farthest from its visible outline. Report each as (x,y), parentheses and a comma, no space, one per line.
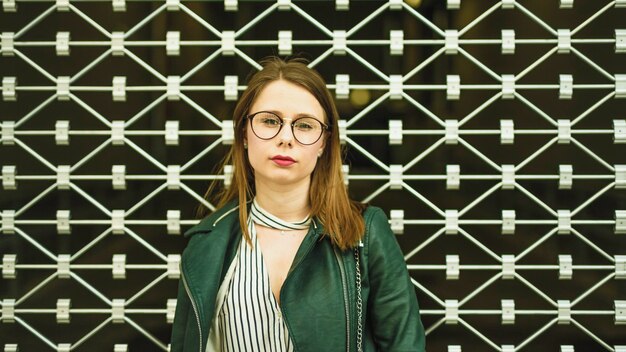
(306,130)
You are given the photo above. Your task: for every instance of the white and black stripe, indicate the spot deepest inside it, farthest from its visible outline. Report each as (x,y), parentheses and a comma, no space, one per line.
(250,318)
(263,217)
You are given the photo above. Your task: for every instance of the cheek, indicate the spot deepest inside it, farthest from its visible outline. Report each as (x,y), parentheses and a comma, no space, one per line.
(256,152)
(312,155)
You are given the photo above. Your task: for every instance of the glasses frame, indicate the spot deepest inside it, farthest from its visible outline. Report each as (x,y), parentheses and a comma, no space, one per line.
(282,123)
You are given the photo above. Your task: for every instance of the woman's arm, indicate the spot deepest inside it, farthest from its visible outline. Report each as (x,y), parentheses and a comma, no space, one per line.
(392,305)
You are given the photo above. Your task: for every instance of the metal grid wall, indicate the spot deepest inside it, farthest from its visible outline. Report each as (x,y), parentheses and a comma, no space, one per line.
(502,176)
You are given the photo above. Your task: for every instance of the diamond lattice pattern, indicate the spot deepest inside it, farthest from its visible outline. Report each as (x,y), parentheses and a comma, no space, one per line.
(491,132)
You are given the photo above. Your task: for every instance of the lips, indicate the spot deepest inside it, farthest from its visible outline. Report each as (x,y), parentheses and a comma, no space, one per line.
(283,160)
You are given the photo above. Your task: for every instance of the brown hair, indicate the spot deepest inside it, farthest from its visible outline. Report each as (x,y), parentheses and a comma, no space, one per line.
(328,195)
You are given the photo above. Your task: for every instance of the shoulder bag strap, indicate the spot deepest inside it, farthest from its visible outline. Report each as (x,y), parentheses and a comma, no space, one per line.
(359,300)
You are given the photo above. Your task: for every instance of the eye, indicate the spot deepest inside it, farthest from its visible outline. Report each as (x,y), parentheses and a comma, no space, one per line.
(269,120)
(306,124)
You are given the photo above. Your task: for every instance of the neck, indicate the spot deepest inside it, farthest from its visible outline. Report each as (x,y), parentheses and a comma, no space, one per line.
(289,204)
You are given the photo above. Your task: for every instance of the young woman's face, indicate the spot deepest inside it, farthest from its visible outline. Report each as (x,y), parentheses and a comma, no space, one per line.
(283,160)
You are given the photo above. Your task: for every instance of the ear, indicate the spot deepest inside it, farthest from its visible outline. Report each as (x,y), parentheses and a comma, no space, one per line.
(323,145)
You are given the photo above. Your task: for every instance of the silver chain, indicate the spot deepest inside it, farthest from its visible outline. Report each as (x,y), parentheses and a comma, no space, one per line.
(359,303)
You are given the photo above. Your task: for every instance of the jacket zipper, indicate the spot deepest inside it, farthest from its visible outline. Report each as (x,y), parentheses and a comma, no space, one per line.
(345,297)
(193,305)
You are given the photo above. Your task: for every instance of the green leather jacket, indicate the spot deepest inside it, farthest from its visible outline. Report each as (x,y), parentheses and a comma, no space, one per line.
(318,295)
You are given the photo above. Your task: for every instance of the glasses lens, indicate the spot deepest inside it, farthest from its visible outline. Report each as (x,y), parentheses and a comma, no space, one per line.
(266,125)
(307,130)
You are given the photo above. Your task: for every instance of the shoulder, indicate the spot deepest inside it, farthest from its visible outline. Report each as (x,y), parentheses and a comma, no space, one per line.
(378,234)
(222,217)
(374,216)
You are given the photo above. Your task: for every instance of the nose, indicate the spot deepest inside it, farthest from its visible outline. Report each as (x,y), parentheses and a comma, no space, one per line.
(286,134)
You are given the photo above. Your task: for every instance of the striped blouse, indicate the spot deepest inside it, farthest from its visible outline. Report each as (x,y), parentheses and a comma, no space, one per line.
(250,318)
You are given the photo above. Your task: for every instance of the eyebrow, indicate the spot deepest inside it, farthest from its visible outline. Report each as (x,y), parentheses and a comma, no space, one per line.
(302,114)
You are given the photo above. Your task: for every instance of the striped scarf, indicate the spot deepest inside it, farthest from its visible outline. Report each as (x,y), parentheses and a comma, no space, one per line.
(262,217)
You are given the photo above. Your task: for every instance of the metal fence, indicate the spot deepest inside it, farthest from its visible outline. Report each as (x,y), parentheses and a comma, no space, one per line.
(491,132)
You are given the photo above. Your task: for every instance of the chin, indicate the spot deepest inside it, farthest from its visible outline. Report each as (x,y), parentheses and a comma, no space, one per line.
(282,178)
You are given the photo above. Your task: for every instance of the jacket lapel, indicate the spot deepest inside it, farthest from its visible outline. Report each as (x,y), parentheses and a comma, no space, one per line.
(211,248)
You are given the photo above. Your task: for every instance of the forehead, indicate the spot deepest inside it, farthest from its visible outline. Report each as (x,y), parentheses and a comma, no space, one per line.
(288,99)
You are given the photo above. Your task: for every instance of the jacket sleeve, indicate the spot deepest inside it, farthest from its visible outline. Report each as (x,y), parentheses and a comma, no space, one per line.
(393,312)
(180,319)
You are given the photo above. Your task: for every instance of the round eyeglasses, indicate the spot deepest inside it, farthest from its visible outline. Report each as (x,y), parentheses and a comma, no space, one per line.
(306,130)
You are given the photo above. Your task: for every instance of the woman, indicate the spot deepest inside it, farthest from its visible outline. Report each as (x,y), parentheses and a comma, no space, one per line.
(288,262)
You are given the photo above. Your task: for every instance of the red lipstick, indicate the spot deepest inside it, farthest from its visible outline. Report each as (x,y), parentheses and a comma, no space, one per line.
(282,160)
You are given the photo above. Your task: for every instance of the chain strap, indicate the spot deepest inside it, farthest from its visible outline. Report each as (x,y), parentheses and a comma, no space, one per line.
(359,303)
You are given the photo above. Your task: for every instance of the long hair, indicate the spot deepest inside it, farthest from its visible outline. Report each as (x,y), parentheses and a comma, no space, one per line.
(328,196)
